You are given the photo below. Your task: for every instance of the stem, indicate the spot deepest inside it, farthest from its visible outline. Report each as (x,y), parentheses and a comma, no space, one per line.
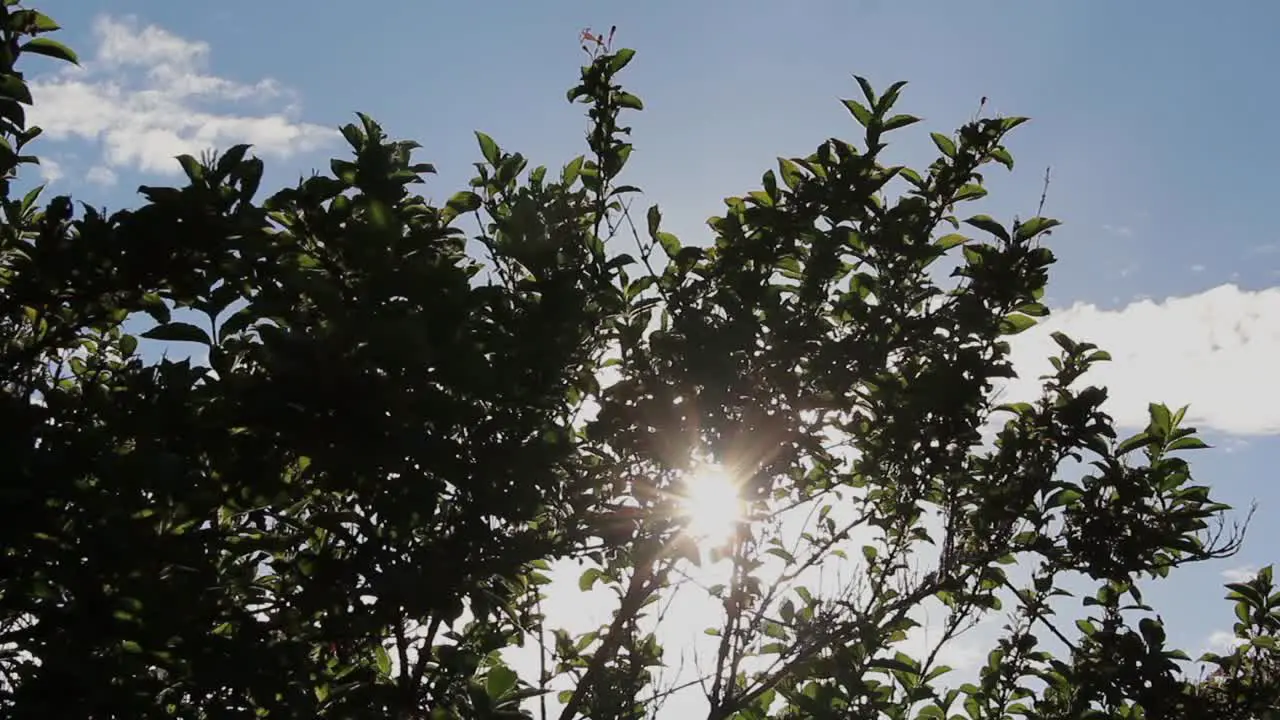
(402,653)
(420,666)
(542,659)
(637,591)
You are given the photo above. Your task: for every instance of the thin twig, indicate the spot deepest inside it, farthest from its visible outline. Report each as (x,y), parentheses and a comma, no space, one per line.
(542,658)
(1044,192)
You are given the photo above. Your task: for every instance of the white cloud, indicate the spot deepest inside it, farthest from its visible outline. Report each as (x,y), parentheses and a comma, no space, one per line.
(101,175)
(1233,444)
(146,97)
(1215,351)
(1197,268)
(1241,574)
(1120,230)
(1222,642)
(50,170)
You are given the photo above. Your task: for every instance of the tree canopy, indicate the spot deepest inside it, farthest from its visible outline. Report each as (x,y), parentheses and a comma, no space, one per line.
(402,420)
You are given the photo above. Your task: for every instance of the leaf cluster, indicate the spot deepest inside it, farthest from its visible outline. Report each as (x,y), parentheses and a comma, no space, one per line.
(393,426)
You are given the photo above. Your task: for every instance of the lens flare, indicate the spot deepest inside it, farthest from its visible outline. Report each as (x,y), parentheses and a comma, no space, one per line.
(711,505)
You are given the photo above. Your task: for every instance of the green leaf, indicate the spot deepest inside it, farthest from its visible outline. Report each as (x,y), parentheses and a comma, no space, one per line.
(239,320)
(912,177)
(770,182)
(867,92)
(1063,498)
(178,332)
(1018,408)
(344,170)
(895,664)
(155,306)
(791,173)
(670,244)
(50,48)
(488,148)
(900,121)
(944,143)
(890,97)
(15,89)
(971,191)
(1003,156)
(27,21)
(937,672)
(1161,421)
(1135,442)
(571,171)
(1009,123)
(783,554)
(989,224)
(353,135)
(1188,443)
(585,640)
(946,242)
(588,578)
(1249,593)
(1034,309)
(787,611)
(30,198)
(1064,341)
(464,202)
(860,112)
(620,59)
(383,660)
(500,680)
(1015,323)
(1035,226)
(629,101)
(192,167)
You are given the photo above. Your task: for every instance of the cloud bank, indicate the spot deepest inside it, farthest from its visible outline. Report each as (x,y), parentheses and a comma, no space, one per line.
(145,96)
(1217,351)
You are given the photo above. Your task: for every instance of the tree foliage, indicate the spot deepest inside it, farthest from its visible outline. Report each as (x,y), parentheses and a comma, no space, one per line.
(398,417)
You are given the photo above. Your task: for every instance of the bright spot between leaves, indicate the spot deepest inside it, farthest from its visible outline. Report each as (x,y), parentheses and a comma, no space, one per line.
(711,505)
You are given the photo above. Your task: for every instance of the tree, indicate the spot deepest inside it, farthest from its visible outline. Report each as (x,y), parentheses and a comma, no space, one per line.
(351,508)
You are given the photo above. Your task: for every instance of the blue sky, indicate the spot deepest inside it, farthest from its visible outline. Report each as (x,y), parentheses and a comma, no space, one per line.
(1156,120)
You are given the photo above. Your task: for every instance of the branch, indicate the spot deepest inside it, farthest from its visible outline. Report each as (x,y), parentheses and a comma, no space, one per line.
(420,665)
(637,591)
(402,653)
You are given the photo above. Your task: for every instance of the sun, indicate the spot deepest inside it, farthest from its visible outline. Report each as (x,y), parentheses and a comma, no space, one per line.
(710,504)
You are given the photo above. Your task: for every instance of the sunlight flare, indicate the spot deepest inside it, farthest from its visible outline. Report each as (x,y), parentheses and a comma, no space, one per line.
(711,505)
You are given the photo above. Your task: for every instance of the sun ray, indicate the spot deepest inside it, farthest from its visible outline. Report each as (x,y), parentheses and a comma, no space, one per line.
(711,505)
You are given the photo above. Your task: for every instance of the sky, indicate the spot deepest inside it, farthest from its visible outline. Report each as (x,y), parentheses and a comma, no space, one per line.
(1154,121)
